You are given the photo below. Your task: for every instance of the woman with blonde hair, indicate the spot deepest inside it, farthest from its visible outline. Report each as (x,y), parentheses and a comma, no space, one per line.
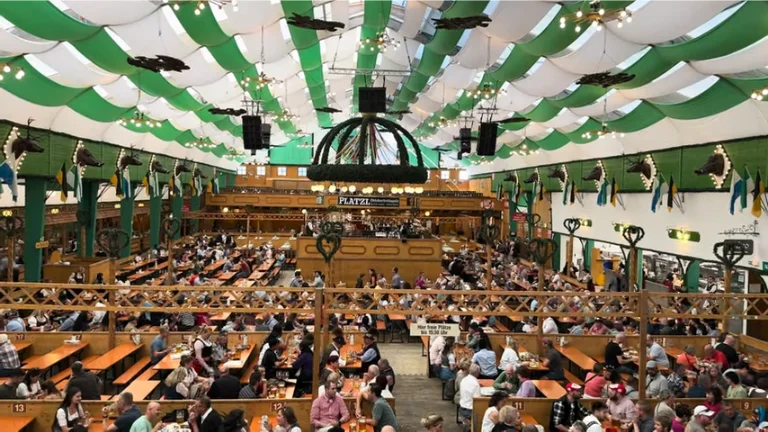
(183,382)
(509,420)
(432,423)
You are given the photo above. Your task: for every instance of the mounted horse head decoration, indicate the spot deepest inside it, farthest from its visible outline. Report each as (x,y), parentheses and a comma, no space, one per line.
(560,173)
(175,184)
(16,145)
(646,167)
(128,159)
(198,173)
(121,180)
(83,157)
(597,174)
(156,167)
(718,166)
(533,178)
(15,149)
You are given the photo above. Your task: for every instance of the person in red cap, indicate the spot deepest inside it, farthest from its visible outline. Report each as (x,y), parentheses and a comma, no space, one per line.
(567,410)
(620,407)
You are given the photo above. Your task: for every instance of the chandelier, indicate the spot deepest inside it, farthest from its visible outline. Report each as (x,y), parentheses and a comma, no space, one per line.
(442,123)
(7,69)
(485,92)
(259,82)
(481,161)
(760,94)
(381,42)
(596,16)
(139,120)
(603,131)
(202,4)
(201,144)
(286,116)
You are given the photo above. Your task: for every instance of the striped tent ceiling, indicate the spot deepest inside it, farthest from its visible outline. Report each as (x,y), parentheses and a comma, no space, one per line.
(695,65)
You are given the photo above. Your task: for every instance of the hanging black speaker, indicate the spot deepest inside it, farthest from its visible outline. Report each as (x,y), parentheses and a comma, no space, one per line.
(465,139)
(372,99)
(486,144)
(252,138)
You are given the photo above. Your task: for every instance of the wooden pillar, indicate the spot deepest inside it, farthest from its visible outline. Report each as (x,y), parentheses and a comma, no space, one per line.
(319,347)
(488,256)
(643,337)
(632,269)
(727,282)
(169,247)
(540,288)
(569,254)
(112,302)
(11,240)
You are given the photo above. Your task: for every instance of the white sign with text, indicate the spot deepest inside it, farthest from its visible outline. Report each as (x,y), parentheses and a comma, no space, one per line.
(433,329)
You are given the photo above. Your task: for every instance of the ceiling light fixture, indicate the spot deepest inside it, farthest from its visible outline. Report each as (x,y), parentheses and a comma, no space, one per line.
(202,144)
(442,123)
(17,72)
(139,120)
(593,13)
(485,92)
(380,43)
(760,94)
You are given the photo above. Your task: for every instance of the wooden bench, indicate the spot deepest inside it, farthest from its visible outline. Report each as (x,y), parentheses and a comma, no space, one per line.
(500,327)
(250,369)
(147,375)
(573,378)
(381,328)
(131,372)
(66,373)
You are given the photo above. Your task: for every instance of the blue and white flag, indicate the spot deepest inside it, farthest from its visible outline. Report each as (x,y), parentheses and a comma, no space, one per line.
(737,187)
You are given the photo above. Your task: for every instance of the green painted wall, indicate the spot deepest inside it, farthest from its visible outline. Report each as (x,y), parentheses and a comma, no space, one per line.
(679,163)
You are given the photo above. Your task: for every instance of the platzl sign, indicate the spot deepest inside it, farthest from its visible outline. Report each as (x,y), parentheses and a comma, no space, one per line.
(444,330)
(355,201)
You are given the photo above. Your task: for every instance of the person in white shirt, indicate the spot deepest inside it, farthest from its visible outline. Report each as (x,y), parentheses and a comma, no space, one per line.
(435,350)
(509,356)
(98,316)
(550,326)
(469,389)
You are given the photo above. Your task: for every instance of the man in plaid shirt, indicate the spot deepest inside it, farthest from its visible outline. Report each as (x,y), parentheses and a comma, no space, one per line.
(567,410)
(9,358)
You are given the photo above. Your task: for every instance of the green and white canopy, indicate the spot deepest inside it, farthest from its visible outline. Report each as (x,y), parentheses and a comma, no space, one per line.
(695,65)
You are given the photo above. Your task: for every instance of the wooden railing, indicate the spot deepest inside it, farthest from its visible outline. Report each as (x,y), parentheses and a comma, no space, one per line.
(425,302)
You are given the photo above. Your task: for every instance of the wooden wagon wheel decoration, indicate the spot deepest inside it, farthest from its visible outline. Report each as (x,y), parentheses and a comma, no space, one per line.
(112,241)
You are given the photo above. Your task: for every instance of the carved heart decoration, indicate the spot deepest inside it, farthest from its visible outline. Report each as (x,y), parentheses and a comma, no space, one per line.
(489,233)
(112,241)
(542,249)
(171,227)
(731,253)
(572,225)
(633,234)
(12,225)
(328,245)
(533,219)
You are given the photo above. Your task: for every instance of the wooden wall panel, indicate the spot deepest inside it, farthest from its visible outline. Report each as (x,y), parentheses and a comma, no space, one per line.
(357,255)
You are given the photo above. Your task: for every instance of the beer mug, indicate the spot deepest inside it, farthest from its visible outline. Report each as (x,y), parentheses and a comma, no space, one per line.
(180,416)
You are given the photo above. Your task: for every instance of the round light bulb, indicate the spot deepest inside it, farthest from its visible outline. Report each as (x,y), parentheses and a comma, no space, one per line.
(201,5)
(578,28)
(380,189)
(197,11)
(629,19)
(601,11)
(579,14)
(176,6)
(623,14)
(6,68)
